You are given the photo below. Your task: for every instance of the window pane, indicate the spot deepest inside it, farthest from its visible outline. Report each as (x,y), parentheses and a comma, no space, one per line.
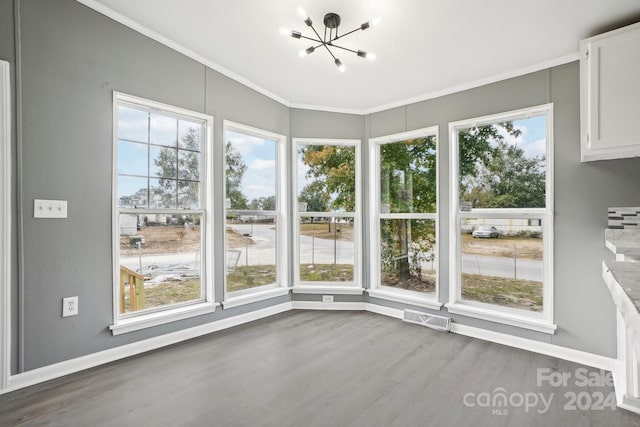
(133,124)
(132,192)
(132,158)
(163,193)
(326,178)
(159,261)
(502,262)
(189,165)
(503,165)
(250,172)
(408,254)
(163,161)
(408,176)
(163,130)
(189,135)
(326,249)
(188,194)
(250,244)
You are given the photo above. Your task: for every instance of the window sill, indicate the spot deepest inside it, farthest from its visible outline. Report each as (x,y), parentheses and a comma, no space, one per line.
(149,320)
(238,300)
(334,290)
(426,300)
(520,321)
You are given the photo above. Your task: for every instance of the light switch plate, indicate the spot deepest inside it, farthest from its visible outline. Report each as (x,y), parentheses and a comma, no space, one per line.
(49,208)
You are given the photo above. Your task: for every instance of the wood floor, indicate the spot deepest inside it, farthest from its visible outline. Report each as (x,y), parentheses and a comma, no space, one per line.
(310,368)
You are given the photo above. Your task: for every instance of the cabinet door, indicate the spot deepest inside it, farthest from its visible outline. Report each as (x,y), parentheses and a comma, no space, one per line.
(610,95)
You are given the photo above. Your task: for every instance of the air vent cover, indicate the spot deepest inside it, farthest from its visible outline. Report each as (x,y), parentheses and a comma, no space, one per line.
(440,323)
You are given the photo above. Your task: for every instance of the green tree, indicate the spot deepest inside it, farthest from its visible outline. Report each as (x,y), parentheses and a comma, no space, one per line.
(315,196)
(333,170)
(179,171)
(236,167)
(263,203)
(497,174)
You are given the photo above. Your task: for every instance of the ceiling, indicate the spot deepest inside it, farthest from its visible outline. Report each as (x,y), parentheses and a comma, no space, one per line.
(425,48)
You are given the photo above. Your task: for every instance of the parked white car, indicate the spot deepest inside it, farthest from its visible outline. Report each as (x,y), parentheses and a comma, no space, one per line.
(486,231)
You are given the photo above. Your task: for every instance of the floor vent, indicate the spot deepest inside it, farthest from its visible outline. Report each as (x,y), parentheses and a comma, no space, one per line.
(425,319)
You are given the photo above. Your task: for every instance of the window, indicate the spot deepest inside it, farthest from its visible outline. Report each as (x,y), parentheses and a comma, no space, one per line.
(256,223)
(327,215)
(502,218)
(162,213)
(404,222)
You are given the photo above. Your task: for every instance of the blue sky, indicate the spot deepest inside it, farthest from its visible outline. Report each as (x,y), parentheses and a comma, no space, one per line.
(259,154)
(533,139)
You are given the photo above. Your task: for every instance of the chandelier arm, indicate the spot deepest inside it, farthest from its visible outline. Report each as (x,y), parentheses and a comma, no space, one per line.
(344,48)
(312,39)
(318,35)
(329,50)
(346,34)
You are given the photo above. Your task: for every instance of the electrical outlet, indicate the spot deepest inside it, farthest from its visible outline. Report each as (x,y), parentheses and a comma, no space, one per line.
(69,306)
(327,298)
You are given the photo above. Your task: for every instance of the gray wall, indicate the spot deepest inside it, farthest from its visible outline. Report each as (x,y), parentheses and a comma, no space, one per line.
(72,58)
(583,309)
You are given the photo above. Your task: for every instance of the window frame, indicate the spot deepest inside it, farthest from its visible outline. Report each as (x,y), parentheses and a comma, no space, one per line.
(377,290)
(353,287)
(537,321)
(128,322)
(280,286)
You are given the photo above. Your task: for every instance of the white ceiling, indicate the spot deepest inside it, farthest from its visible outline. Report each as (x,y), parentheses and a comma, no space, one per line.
(425,48)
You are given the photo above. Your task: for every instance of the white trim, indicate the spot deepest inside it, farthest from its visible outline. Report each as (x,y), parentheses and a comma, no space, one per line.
(238,300)
(169,313)
(319,305)
(328,289)
(406,297)
(148,320)
(5,224)
(281,213)
(543,322)
(67,367)
(134,25)
(377,290)
(356,215)
(565,353)
(384,311)
(496,78)
(552,350)
(493,315)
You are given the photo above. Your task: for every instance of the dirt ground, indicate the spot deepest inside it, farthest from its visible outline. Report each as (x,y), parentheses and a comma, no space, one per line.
(524,247)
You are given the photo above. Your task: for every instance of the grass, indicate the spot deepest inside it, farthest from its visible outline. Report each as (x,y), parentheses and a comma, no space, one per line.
(326,272)
(514,293)
(170,292)
(250,277)
(345,231)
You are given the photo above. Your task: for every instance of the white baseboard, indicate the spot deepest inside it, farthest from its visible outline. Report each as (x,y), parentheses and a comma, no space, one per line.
(85,362)
(577,356)
(67,367)
(318,305)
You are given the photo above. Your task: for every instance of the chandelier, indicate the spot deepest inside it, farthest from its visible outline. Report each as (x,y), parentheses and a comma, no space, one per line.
(330,36)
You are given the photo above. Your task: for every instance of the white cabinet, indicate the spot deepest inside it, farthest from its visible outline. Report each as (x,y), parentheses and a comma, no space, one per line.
(610,95)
